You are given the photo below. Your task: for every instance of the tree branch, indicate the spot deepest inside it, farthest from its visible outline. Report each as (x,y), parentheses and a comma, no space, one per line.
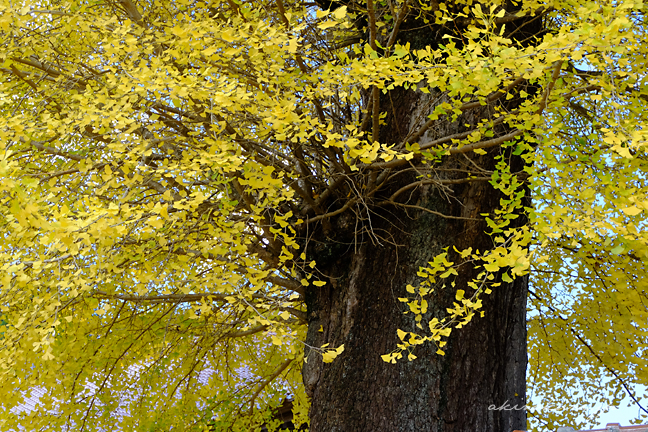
(427,210)
(40,145)
(267,381)
(132,11)
(243,333)
(442,182)
(591,350)
(550,86)
(188,298)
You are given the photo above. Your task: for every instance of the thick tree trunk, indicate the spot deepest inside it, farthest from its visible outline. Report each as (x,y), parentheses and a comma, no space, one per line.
(372,254)
(484,364)
(367,271)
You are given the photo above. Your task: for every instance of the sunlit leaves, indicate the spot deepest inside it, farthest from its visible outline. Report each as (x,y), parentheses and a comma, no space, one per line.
(162,163)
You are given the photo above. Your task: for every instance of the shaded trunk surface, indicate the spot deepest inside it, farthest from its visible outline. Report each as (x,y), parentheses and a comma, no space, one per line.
(367,266)
(484,364)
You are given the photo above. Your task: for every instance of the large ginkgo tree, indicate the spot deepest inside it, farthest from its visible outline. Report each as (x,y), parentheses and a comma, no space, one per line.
(208,207)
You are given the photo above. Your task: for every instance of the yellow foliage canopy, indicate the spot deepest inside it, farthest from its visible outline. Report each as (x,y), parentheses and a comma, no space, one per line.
(159,162)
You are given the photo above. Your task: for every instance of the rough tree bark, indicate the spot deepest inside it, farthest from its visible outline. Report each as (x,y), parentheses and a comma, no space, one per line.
(368,259)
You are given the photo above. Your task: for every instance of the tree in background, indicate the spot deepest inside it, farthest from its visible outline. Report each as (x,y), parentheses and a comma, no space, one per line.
(208,206)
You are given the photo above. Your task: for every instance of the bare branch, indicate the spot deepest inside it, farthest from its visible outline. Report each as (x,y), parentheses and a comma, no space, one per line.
(40,145)
(267,381)
(243,333)
(333,213)
(375,91)
(23,77)
(132,11)
(38,65)
(438,182)
(300,315)
(289,284)
(469,105)
(427,210)
(554,77)
(188,298)
(483,144)
(452,150)
(399,20)
(50,12)
(169,298)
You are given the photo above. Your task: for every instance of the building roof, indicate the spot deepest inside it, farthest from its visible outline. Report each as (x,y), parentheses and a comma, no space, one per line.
(610,427)
(616,427)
